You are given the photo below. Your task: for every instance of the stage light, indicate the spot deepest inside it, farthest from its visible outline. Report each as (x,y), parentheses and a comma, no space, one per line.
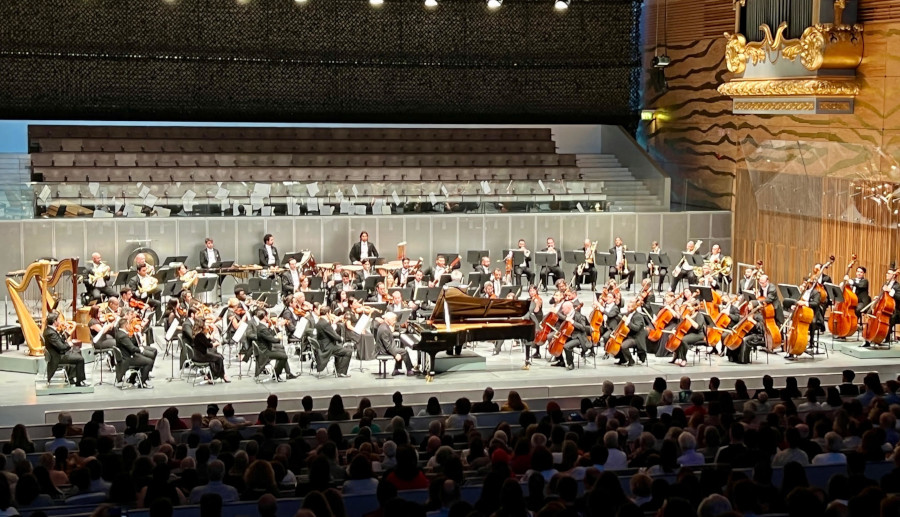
(494,4)
(376,3)
(562,5)
(431,3)
(299,1)
(648,115)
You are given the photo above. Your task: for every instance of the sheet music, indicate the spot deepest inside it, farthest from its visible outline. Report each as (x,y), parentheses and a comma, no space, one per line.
(239,333)
(362,324)
(301,328)
(170,333)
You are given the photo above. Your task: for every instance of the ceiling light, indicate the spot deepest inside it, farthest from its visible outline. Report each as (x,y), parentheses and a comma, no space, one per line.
(376,2)
(494,4)
(562,5)
(300,1)
(431,3)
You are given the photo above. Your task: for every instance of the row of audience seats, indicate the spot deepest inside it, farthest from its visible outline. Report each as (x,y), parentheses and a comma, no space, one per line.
(260,174)
(49,132)
(122,145)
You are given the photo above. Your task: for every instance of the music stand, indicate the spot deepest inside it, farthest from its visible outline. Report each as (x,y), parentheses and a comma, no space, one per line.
(835,292)
(444,279)
(180,259)
(380,306)
(660,259)
(270,299)
(172,288)
(789,292)
(432,294)
(317,296)
(545,259)
(631,257)
(405,292)
(474,256)
(506,289)
(371,282)
(315,282)
(694,259)
(164,275)
(123,277)
(478,279)
(205,285)
(358,294)
(293,255)
(572,257)
(705,292)
(403,316)
(222,264)
(518,257)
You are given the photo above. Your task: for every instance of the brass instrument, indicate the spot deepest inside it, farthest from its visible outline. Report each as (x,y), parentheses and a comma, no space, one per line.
(588,259)
(99,273)
(678,267)
(148,283)
(624,268)
(189,279)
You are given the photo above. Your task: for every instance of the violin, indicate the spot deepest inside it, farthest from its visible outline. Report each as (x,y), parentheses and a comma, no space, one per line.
(135,326)
(877,323)
(843,320)
(547,325)
(134,303)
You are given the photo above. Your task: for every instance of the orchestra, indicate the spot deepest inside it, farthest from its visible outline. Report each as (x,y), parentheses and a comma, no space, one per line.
(346,316)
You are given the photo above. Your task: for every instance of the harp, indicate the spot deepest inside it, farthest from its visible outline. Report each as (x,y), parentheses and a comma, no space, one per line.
(45,287)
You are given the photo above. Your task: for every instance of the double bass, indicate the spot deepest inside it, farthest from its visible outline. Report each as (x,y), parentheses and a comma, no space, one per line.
(817,278)
(877,323)
(843,320)
(798,324)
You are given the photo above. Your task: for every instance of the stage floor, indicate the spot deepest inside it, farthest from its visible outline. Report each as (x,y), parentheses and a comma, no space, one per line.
(20,404)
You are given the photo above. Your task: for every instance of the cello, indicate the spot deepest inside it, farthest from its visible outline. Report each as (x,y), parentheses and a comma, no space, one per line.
(596,325)
(614,343)
(723,319)
(558,343)
(877,323)
(798,324)
(734,338)
(843,320)
(684,326)
(662,318)
(546,328)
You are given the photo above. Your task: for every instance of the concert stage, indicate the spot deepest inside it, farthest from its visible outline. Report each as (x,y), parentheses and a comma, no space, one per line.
(503,372)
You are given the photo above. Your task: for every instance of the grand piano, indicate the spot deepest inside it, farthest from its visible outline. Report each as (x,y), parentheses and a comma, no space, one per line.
(458,318)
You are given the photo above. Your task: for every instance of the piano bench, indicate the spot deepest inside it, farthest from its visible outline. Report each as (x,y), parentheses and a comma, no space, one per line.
(382,365)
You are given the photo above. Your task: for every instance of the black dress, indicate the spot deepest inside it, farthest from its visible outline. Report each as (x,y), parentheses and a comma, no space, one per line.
(204,353)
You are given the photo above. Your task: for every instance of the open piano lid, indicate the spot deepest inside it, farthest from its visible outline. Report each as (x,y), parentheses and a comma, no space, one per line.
(467,308)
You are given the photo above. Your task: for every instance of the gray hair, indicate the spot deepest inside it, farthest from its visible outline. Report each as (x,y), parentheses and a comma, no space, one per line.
(608,387)
(713,505)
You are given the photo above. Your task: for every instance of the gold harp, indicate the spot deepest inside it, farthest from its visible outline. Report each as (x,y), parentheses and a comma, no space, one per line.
(42,290)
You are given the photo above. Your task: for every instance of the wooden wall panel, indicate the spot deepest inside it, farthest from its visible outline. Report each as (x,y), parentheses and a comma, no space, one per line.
(717,159)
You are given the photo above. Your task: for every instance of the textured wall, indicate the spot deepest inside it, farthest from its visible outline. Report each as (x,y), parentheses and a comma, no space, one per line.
(332,60)
(792,180)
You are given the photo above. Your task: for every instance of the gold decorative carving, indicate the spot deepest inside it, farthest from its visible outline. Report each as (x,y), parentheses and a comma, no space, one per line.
(820,46)
(789,87)
(774,106)
(834,106)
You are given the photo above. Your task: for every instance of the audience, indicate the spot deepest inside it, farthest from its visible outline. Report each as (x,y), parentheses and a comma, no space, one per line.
(695,437)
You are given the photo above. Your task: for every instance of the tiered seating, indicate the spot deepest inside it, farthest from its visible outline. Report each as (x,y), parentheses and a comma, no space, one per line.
(166,154)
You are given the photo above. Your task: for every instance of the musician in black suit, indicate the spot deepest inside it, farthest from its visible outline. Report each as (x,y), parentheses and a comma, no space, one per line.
(684,269)
(611,315)
(384,343)
(587,266)
(637,336)
(524,267)
(556,271)
(812,298)
(209,255)
(622,268)
(132,356)
(100,286)
(270,347)
(61,352)
(890,288)
(290,279)
(363,249)
(860,285)
(151,297)
(578,338)
(769,295)
(535,314)
(330,344)
(268,253)
(485,267)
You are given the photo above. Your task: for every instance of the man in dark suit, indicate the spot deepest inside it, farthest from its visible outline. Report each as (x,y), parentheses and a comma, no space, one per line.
(846,387)
(578,338)
(485,267)
(61,352)
(290,279)
(637,337)
(268,253)
(143,278)
(132,356)
(487,404)
(384,343)
(860,286)
(525,267)
(330,344)
(270,347)
(209,255)
(813,299)
(768,293)
(556,271)
(363,249)
(622,269)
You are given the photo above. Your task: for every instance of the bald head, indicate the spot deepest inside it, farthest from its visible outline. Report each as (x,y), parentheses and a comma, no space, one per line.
(390,318)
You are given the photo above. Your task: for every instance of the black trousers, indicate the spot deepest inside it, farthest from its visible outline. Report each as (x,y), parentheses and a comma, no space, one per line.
(685,273)
(519,271)
(569,349)
(215,360)
(142,361)
(341,356)
(556,271)
(74,362)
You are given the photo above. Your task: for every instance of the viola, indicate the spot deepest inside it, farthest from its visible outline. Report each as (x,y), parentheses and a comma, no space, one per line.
(557,344)
(134,303)
(877,323)
(843,320)
(546,328)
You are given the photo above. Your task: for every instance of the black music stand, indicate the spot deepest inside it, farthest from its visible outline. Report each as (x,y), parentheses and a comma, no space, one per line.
(403,316)
(123,277)
(431,294)
(360,295)
(789,292)
(694,259)
(293,255)
(315,282)
(379,306)
(172,288)
(660,259)
(205,285)
(545,258)
(474,256)
(405,292)
(478,279)
(181,259)
(835,292)
(634,257)
(444,279)
(506,289)
(317,296)
(371,282)
(270,299)
(223,264)
(448,258)
(164,275)
(573,257)
(705,292)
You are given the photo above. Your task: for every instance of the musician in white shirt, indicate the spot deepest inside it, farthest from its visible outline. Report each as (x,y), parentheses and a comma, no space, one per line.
(268,253)
(101,272)
(209,255)
(290,280)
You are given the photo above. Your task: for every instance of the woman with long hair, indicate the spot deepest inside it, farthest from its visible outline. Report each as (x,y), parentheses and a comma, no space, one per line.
(259,479)
(165,432)
(364,403)
(205,352)
(514,402)
(336,410)
(432,408)
(18,439)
